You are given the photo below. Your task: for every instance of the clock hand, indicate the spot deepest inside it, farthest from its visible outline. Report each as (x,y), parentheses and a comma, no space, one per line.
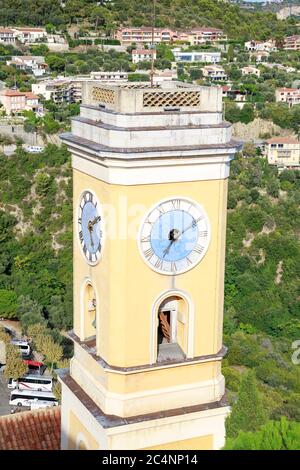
(190,226)
(173,236)
(92,241)
(96,219)
(166,251)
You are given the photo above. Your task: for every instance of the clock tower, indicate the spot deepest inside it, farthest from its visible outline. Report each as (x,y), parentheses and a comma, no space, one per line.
(150,171)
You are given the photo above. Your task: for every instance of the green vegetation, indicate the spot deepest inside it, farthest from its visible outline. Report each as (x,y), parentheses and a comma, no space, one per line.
(106,16)
(15,366)
(36,236)
(274,435)
(262,292)
(248,412)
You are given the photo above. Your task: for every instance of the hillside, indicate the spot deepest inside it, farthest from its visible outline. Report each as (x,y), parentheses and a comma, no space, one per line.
(36,236)
(262,282)
(106,16)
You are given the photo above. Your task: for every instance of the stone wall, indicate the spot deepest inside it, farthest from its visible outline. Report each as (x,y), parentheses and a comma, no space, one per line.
(257,129)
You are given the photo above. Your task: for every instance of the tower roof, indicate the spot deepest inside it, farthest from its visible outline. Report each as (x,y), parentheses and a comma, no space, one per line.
(128,129)
(142,97)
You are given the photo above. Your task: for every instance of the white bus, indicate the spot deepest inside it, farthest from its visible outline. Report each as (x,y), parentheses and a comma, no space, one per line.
(32,382)
(32,398)
(23,347)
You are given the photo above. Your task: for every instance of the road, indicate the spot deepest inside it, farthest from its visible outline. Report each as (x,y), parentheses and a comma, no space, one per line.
(4,396)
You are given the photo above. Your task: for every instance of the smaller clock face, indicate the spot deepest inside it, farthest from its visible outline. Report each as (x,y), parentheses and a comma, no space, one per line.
(89,227)
(175,236)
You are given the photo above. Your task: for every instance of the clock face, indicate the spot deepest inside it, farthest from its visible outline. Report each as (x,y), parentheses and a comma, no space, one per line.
(89,227)
(174,236)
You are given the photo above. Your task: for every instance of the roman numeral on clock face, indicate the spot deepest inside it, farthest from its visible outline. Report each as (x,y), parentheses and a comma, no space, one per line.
(149,253)
(176,204)
(173,266)
(203,233)
(159,263)
(145,239)
(198,249)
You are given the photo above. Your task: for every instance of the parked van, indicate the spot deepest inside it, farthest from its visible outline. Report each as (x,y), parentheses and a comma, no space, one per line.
(23,347)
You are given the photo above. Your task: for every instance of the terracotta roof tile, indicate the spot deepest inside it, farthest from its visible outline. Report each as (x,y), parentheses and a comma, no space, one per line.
(31,430)
(283,140)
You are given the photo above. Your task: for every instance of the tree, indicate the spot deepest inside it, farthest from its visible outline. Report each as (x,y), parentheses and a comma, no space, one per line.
(50,28)
(247,413)
(230,53)
(273,187)
(15,366)
(42,183)
(247,114)
(8,303)
(196,74)
(55,62)
(249,149)
(51,350)
(5,140)
(5,337)
(36,332)
(274,435)
(56,312)
(29,312)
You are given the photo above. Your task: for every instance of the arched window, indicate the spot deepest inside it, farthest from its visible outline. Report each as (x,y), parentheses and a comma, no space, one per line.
(172,337)
(81,443)
(89,311)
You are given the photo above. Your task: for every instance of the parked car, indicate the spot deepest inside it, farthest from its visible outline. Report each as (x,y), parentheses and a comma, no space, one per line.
(34,149)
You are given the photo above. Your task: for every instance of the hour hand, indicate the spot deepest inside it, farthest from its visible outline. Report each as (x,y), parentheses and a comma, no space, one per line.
(91,236)
(166,251)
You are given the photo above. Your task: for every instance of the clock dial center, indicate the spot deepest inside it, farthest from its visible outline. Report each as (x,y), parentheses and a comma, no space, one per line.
(174,234)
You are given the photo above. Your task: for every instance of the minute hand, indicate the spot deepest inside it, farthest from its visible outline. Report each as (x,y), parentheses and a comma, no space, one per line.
(190,226)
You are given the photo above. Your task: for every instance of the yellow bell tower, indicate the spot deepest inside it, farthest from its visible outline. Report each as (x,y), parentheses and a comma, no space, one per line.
(150,169)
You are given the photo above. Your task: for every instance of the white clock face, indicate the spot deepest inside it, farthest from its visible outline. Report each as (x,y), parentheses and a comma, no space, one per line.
(174,236)
(89,227)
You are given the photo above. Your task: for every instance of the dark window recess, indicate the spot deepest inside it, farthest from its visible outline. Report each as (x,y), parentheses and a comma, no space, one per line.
(169,109)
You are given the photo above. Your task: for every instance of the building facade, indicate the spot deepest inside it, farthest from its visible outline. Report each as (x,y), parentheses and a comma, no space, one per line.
(150,169)
(291,96)
(283,152)
(250,71)
(61,90)
(34,64)
(143,35)
(15,101)
(7,36)
(24,35)
(292,43)
(141,55)
(215,73)
(197,56)
(255,46)
(203,35)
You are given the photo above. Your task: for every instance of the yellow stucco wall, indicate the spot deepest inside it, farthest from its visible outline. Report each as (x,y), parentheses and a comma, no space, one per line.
(149,379)
(127,288)
(79,437)
(196,443)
